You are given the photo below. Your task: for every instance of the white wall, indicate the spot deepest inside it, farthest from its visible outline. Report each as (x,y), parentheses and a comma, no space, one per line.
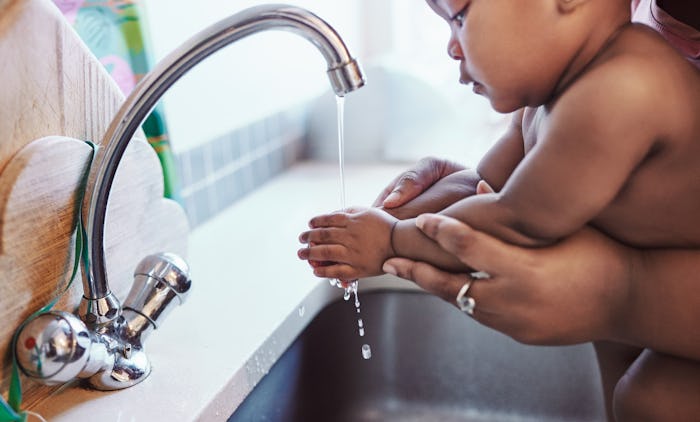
(274,71)
(254,77)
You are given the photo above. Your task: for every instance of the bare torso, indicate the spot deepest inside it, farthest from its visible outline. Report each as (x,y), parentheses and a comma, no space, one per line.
(659,204)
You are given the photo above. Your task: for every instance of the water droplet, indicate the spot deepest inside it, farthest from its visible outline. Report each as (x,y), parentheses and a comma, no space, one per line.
(346,296)
(366,351)
(360,323)
(362,332)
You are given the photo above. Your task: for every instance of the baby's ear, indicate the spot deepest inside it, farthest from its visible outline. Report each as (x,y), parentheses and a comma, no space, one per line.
(568,6)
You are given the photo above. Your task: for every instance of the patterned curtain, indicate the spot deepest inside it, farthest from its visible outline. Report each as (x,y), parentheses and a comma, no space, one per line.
(113,31)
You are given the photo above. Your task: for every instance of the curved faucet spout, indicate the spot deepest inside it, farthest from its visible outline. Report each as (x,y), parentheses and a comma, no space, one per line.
(99,304)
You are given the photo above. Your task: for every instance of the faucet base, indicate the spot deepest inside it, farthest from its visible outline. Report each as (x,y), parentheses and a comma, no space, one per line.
(56,347)
(131,366)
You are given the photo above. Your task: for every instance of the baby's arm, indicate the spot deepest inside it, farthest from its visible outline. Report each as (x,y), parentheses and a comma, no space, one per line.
(438,191)
(356,244)
(596,135)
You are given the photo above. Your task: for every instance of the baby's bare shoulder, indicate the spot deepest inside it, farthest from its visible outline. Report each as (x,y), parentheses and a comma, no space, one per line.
(640,61)
(638,78)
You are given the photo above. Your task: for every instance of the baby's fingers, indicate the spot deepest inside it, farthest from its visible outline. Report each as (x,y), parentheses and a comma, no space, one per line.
(339,271)
(322,236)
(336,219)
(333,253)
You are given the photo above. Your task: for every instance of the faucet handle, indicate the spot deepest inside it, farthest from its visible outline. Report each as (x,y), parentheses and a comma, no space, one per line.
(159,280)
(56,347)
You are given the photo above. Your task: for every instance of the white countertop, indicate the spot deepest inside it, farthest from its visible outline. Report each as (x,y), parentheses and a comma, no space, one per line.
(247,280)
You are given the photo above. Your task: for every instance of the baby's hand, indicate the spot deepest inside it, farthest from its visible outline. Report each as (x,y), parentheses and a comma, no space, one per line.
(348,245)
(316,264)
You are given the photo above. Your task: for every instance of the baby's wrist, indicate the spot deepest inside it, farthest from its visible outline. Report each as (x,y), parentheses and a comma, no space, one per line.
(401,238)
(391,238)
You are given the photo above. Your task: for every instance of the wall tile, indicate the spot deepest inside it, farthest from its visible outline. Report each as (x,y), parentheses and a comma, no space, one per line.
(217,173)
(197,163)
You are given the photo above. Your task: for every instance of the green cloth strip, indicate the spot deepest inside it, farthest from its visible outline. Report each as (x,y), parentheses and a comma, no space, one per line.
(7,414)
(10,410)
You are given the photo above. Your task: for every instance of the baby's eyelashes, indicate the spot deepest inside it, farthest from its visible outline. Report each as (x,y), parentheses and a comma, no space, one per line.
(458,18)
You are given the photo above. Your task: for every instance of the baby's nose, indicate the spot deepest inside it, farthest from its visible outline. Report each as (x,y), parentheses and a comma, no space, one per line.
(454,50)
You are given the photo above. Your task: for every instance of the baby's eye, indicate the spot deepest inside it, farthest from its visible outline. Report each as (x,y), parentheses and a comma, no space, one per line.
(458,17)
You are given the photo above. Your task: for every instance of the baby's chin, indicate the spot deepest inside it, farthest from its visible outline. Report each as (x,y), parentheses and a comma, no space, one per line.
(499,103)
(504,106)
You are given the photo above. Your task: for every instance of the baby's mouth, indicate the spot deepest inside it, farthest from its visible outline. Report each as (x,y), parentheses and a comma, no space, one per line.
(476,86)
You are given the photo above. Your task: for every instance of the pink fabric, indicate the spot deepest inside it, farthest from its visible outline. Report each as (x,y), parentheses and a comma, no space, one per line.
(121,72)
(684,37)
(69,8)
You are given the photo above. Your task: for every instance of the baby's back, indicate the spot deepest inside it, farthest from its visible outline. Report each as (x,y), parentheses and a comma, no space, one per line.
(659,205)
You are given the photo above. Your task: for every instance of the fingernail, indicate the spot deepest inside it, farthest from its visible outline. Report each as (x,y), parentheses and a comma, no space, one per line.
(393,196)
(420,221)
(389,269)
(484,187)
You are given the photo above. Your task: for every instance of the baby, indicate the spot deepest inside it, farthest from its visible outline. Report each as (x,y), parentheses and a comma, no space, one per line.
(606,133)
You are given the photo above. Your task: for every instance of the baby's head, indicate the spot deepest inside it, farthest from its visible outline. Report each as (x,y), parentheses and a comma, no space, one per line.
(518,52)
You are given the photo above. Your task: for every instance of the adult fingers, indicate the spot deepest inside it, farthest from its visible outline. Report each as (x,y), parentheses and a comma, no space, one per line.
(474,248)
(416,180)
(442,284)
(386,191)
(411,184)
(447,285)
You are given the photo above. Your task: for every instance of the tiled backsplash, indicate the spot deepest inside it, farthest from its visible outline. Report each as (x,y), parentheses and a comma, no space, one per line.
(219,172)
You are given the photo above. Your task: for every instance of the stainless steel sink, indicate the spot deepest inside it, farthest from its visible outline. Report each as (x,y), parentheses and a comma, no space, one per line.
(429,363)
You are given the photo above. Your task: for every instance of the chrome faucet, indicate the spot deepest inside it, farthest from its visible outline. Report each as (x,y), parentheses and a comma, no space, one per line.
(105,345)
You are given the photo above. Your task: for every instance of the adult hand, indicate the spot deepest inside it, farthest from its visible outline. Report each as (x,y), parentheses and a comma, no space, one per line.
(431,186)
(563,294)
(411,183)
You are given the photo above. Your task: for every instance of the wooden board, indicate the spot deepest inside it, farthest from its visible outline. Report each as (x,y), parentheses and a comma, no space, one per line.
(54,91)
